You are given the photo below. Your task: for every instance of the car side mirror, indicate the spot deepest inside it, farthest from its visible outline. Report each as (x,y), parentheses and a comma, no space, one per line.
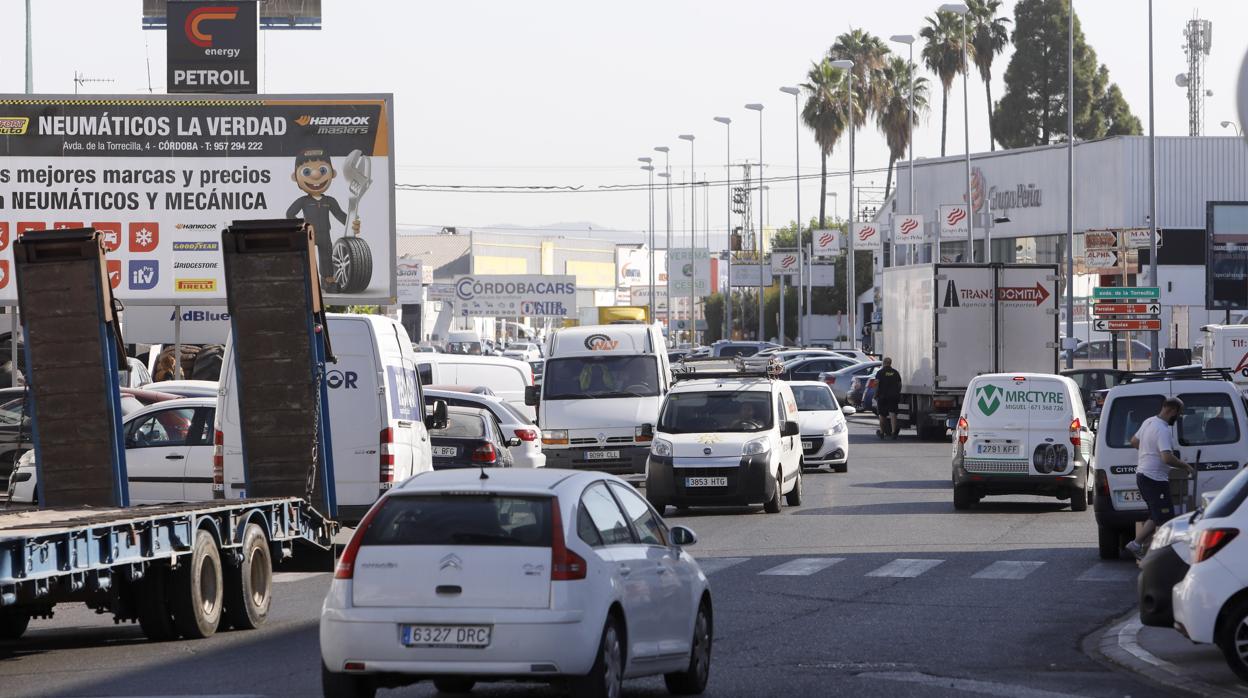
(790,429)
(647,431)
(683,537)
(439,418)
(514,442)
(848,410)
(532,395)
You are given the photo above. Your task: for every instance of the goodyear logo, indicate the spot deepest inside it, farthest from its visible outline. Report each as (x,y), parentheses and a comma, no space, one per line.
(194,285)
(13,125)
(195,246)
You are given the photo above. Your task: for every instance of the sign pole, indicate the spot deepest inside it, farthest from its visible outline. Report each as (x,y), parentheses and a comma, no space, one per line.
(177,342)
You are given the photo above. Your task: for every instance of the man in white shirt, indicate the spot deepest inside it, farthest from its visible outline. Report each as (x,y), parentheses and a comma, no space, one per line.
(1156,454)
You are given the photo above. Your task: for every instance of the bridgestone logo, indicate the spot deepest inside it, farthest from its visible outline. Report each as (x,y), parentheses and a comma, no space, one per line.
(194,265)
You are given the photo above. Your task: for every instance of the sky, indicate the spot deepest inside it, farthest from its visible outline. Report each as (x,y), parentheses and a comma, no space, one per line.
(546,93)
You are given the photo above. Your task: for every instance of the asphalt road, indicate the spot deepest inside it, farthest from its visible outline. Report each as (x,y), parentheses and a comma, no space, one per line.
(874,587)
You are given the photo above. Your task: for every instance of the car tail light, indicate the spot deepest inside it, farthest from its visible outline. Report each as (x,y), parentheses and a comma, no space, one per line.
(964,428)
(218,465)
(386,449)
(1102,483)
(484,454)
(346,563)
(1211,541)
(1075,427)
(526,434)
(565,565)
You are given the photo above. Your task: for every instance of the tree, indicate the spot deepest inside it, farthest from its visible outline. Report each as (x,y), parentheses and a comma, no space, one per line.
(1033,109)
(824,113)
(988,38)
(892,117)
(942,54)
(869,54)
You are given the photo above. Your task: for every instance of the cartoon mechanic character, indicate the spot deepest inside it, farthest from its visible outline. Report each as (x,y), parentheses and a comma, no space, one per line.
(313,174)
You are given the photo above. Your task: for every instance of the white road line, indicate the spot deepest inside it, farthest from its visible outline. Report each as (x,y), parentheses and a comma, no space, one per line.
(989,688)
(1127,640)
(286,577)
(1007,569)
(710,565)
(1106,572)
(905,567)
(803,566)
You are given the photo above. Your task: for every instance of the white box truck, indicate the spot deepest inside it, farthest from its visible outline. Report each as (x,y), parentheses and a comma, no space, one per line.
(947,323)
(1226,346)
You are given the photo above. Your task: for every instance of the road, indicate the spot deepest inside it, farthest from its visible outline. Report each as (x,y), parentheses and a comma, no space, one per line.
(874,587)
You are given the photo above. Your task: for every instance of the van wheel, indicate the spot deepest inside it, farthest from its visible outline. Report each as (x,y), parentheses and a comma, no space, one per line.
(963,497)
(1078,499)
(1232,638)
(249,585)
(1107,542)
(352,263)
(772,506)
(197,589)
(794,497)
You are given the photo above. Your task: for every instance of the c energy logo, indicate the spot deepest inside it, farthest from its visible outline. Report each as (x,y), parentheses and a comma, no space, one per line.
(199,15)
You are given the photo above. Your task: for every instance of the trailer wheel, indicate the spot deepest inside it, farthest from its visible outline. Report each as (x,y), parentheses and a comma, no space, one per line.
(249,585)
(152,605)
(352,263)
(197,589)
(13,623)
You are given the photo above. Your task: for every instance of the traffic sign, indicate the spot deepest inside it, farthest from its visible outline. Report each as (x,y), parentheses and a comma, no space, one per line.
(1126,292)
(1134,238)
(1102,325)
(1100,259)
(1126,309)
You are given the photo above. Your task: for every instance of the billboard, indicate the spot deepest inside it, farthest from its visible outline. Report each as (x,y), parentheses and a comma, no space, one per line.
(211,47)
(868,236)
(908,230)
(953,222)
(822,275)
(1226,255)
(274,14)
(784,262)
(640,295)
(747,275)
(515,295)
(691,266)
(161,176)
(409,276)
(826,242)
(632,266)
(156,324)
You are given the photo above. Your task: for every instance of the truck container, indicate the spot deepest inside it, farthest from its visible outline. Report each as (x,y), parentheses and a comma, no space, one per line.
(1226,346)
(947,323)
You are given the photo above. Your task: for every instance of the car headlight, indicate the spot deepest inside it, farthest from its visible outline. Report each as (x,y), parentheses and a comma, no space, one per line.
(756,447)
(555,437)
(838,428)
(661,448)
(1162,537)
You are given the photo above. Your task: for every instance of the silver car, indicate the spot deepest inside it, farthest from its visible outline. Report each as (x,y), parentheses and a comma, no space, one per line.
(841,379)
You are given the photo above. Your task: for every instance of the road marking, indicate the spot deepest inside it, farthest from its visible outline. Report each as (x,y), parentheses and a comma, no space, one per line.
(803,566)
(710,565)
(1007,569)
(990,688)
(1107,572)
(905,567)
(286,577)
(1127,640)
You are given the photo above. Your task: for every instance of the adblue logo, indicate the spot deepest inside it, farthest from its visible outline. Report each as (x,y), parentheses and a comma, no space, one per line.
(348,380)
(600,342)
(988,399)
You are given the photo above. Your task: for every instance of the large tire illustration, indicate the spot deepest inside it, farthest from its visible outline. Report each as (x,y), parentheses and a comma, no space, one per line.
(352,261)
(208,363)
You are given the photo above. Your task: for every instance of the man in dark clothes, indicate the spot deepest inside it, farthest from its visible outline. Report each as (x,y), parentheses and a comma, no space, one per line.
(313,174)
(887,395)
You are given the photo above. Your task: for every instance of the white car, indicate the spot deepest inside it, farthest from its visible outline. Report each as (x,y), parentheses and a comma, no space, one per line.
(825,435)
(511,421)
(1211,603)
(535,575)
(185,388)
(168,454)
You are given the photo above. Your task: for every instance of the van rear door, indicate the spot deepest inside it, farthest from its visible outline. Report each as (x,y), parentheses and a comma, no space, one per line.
(1050,407)
(355,418)
(996,427)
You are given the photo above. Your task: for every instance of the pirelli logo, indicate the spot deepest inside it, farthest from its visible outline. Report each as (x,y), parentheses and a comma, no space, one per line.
(14,125)
(194,285)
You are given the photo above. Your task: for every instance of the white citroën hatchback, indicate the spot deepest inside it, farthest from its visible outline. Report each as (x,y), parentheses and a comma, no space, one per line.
(563,576)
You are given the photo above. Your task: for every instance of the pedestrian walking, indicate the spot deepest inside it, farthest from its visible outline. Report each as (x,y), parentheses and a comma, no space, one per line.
(887,397)
(1155,455)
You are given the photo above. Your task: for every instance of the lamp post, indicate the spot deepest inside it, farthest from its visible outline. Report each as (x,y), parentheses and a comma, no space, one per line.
(908,40)
(666,174)
(960,8)
(693,216)
(1152,175)
(797,156)
(851,300)
(1070,177)
(727,122)
(758,239)
(650,170)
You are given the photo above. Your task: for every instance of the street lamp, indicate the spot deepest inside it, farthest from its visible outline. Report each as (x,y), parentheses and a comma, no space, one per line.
(1229,124)
(797,154)
(960,8)
(758,240)
(851,300)
(727,122)
(650,169)
(693,226)
(666,174)
(908,40)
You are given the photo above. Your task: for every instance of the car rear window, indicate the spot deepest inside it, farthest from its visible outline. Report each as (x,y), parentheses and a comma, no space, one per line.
(1208,418)
(461,425)
(1230,498)
(1125,417)
(444,519)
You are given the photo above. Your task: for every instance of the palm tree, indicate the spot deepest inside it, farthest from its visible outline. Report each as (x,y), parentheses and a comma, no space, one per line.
(988,38)
(892,117)
(824,113)
(943,55)
(869,54)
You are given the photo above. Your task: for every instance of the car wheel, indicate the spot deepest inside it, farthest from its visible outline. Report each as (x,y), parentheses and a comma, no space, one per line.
(842,468)
(249,585)
(606,678)
(794,497)
(334,685)
(772,506)
(454,685)
(658,504)
(963,497)
(196,589)
(1078,500)
(1107,542)
(692,681)
(1233,638)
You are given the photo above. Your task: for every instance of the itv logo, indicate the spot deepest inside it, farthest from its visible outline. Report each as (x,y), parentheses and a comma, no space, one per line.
(144,273)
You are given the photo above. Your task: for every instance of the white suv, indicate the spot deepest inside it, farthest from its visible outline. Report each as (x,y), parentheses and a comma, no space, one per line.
(728,434)
(1212,435)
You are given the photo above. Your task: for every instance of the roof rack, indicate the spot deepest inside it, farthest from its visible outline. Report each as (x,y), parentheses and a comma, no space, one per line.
(1179,373)
(728,367)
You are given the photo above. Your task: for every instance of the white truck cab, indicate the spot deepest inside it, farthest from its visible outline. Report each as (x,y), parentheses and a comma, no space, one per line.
(600,385)
(728,434)
(1211,434)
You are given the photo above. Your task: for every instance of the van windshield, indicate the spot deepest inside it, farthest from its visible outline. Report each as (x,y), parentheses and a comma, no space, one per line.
(580,377)
(696,413)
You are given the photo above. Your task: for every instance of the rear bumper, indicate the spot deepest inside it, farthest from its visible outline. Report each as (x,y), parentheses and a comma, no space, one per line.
(1117,519)
(750,482)
(1159,572)
(632,460)
(1022,483)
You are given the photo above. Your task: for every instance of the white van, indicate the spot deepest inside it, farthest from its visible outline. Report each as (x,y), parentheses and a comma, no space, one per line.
(508,378)
(600,384)
(1226,346)
(376,414)
(1022,433)
(1212,435)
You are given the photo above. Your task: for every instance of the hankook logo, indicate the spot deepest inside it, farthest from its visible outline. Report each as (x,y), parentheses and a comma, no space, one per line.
(338,125)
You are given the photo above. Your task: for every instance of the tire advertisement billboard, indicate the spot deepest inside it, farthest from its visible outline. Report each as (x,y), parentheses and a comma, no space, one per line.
(162,176)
